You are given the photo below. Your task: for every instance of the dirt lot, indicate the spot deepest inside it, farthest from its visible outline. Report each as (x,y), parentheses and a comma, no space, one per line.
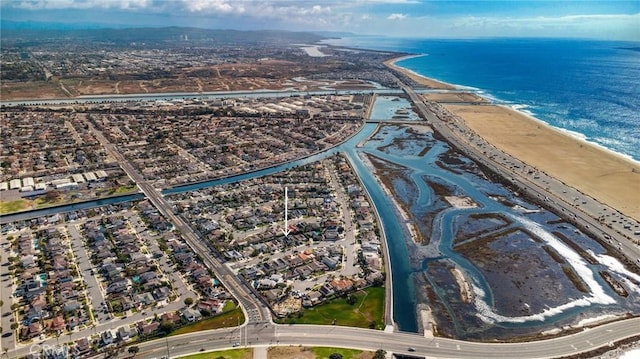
(266,74)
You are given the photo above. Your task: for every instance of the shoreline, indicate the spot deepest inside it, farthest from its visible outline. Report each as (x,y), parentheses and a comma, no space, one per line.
(490,100)
(613,178)
(422,80)
(608,177)
(577,136)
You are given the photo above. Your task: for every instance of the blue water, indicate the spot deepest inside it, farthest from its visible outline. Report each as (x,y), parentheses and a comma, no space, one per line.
(588,87)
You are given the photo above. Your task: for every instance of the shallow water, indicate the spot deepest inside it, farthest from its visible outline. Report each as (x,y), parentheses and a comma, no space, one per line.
(502,246)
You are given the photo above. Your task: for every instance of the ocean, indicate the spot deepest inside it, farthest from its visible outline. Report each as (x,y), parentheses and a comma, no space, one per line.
(588,88)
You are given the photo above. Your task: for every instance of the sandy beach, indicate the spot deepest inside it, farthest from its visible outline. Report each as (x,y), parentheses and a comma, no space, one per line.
(444,97)
(427,82)
(604,175)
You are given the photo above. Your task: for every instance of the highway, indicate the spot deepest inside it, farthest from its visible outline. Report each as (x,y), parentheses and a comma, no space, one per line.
(259,330)
(253,335)
(574,206)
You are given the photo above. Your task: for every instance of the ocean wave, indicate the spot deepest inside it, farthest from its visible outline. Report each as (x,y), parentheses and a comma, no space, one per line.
(520,107)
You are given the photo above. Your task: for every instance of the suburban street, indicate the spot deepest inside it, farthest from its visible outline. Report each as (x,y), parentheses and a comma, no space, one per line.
(87,272)
(258,330)
(254,310)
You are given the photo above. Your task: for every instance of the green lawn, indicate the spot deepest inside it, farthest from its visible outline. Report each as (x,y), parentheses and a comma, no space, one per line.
(226,354)
(325,352)
(224,320)
(368,308)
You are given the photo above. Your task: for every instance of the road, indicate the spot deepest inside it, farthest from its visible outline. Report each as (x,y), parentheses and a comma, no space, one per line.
(259,335)
(86,271)
(259,331)
(576,207)
(348,242)
(255,311)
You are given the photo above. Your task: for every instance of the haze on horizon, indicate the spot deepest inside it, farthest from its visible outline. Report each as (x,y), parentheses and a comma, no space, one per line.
(612,20)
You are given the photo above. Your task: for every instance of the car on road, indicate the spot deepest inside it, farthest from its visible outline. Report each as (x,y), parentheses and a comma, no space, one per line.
(411,349)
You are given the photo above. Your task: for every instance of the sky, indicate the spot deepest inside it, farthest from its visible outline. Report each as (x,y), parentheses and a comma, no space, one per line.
(615,20)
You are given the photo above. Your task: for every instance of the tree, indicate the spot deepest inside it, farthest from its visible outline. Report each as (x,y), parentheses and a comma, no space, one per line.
(351,299)
(188,301)
(166,326)
(335,356)
(133,350)
(380,354)
(51,195)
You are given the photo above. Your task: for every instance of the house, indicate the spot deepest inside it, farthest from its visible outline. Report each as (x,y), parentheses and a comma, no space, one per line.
(161,293)
(326,290)
(314,297)
(57,324)
(148,328)
(191,315)
(342,285)
(170,317)
(107,337)
(31,331)
(211,305)
(83,346)
(331,263)
(266,284)
(145,298)
(124,333)
(117,287)
(70,306)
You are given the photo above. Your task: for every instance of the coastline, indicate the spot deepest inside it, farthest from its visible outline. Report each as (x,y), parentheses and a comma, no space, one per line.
(422,80)
(605,175)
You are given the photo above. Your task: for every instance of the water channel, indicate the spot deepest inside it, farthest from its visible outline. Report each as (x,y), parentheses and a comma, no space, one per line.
(411,262)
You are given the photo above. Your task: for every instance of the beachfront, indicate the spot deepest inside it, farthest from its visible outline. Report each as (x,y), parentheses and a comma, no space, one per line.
(597,172)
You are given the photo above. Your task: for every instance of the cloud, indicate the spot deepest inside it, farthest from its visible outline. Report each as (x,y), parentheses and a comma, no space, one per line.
(77,4)
(541,22)
(399,2)
(396,16)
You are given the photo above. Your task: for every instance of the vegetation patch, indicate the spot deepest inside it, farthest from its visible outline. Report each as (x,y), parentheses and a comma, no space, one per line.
(575,279)
(123,190)
(224,354)
(14,206)
(224,320)
(553,254)
(326,352)
(366,311)
(614,284)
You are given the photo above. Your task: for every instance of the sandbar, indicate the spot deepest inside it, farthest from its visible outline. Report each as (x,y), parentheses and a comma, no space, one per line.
(610,178)
(424,81)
